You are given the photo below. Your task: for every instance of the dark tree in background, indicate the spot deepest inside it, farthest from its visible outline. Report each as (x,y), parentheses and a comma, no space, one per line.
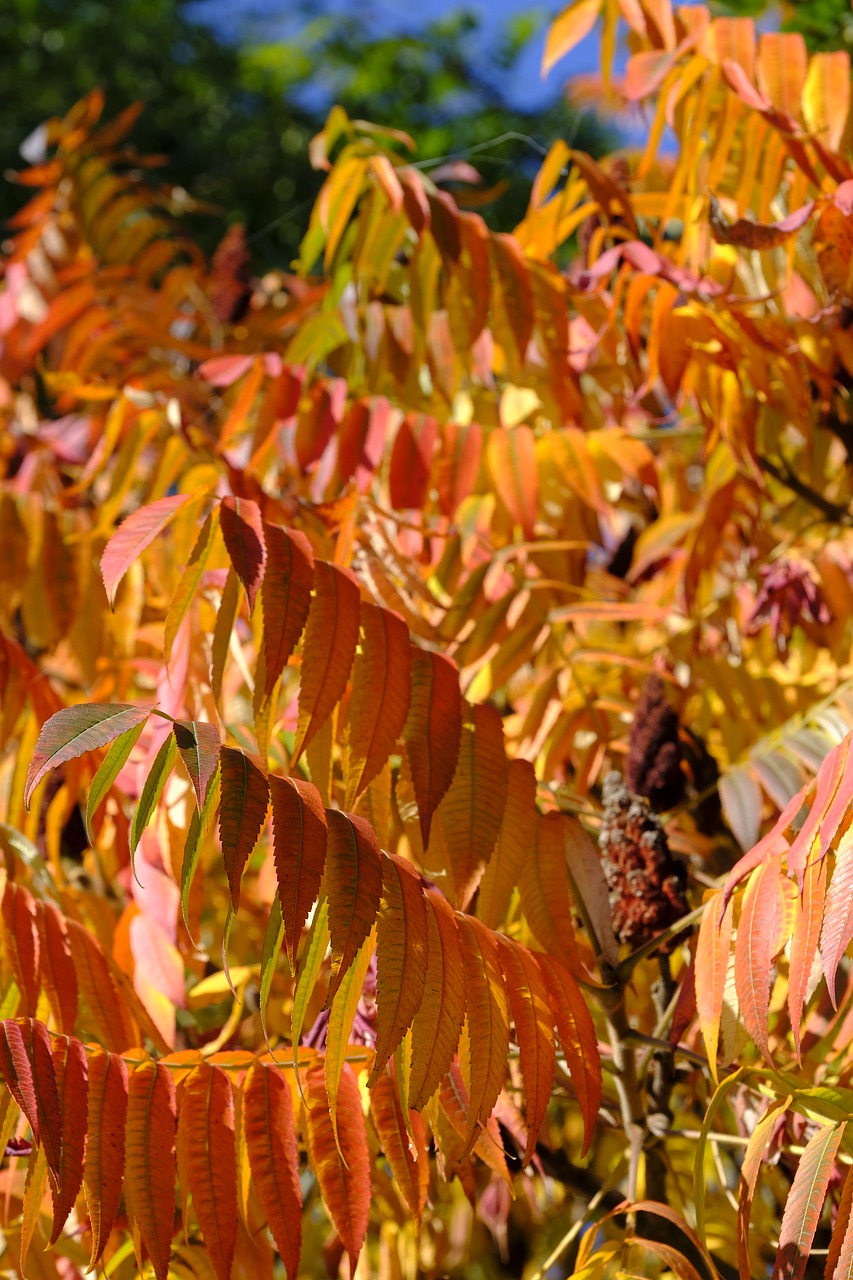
(234,119)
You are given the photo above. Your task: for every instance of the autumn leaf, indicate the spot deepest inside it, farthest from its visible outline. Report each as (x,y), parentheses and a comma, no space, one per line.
(438,1023)
(207,1114)
(488,1020)
(533,1019)
(150,1175)
(109,769)
(242,811)
(381,691)
(513,844)
(299,850)
(56,968)
(286,597)
(568,29)
(354,886)
(343,1175)
(274,1158)
(72,1082)
(405,1146)
(242,529)
(543,885)
(328,650)
(75,730)
(133,535)
(433,731)
(712,960)
(804,1204)
(402,957)
(754,949)
(198,745)
(577,1036)
(103,1171)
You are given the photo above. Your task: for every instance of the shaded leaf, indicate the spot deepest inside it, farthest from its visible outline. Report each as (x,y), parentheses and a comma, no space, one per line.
(577,1036)
(274,1158)
(198,745)
(21,942)
(341,1016)
(18,1074)
(105,1145)
(473,806)
(354,886)
(512,463)
(343,1176)
(405,1146)
(381,691)
(488,1020)
(286,597)
(151,1165)
(438,1023)
(242,811)
(411,461)
(331,635)
(201,825)
(207,1114)
(513,844)
(544,888)
(243,531)
(534,1030)
(433,731)
(188,583)
(299,851)
(109,769)
(402,957)
(56,969)
(72,1082)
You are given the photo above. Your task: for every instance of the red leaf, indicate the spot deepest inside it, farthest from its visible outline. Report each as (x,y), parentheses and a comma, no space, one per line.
(837,930)
(112,1020)
(56,970)
(73,731)
(804,942)
(354,886)
(328,650)
(407,1155)
(104,1167)
(72,1072)
(47,1097)
(514,840)
(207,1112)
(151,1167)
(243,531)
(488,1020)
(438,1024)
(544,888)
(274,1159)
(299,851)
(198,746)
(132,537)
(513,295)
(343,1175)
(473,806)
(754,949)
(534,1031)
(381,691)
(433,731)
(458,464)
(411,461)
(286,597)
(402,951)
(577,1036)
(242,811)
(21,942)
(18,1073)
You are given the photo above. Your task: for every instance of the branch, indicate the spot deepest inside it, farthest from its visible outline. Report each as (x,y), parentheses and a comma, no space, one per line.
(786,476)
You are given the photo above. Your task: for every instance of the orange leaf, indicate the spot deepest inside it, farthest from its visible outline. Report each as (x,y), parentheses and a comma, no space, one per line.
(112,1020)
(21,942)
(831,802)
(534,1031)
(512,294)
(104,1167)
(47,1096)
(454,1105)
(433,731)
(712,960)
(132,537)
(826,96)
(488,1020)
(804,942)
(286,597)
(151,1167)
(70,1065)
(354,886)
(458,464)
(839,1259)
(519,819)
(55,968)
(512,463)
(473,806)
(782,65)
(577,1036)
(299,851)
(343,1176)
(837,929)
(242,811)
(437,1026)
(805,1203)
(749,1171)
(402,957)
(381,690)
(544,888)
(411,461)
(207,1115)
(243,531)
(18,1073)
(274,1158)
(405,1147)
(328,650)
(759,926)
(568,29)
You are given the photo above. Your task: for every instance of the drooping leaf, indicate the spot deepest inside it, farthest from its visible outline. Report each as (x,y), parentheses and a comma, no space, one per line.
(75,730)
(341,1015)
(22,942)
(34,1189)
(72,1082)
(433,731)
(438,1023)
(274,1158)
(47,1097)
(188,584)
(712,959)
(198,745)
(153,788)
(299,851)
(286,597)
(18,1073)
(381,690)
(354,886)
(245,795)
(754,949)
(111,1018)
(805,1203)
(132,537)
(473,805)
(243,531)
(806,932)
(273,938)
(512,463)
(402,957)
(826,96)
(225,618)
(109,769)
(56,968)
(331,635)
(342,1175)
(103,1171)
(534,1028)
(513,844)
(839,1258)
(151,1164)
(316,946)
(411,461)
(837,928)
(488,1020)
(577,1036)
(749,1171)
(543,884)
(404,1145)
(201,824)
(207,1114)
(568,29)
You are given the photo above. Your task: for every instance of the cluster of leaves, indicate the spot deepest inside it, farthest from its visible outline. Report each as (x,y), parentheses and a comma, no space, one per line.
(386,551)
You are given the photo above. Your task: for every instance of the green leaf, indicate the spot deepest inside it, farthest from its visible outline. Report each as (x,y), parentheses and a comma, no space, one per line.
(164,763)
(110,767)
(190,578)
(273,939)
(201,824)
